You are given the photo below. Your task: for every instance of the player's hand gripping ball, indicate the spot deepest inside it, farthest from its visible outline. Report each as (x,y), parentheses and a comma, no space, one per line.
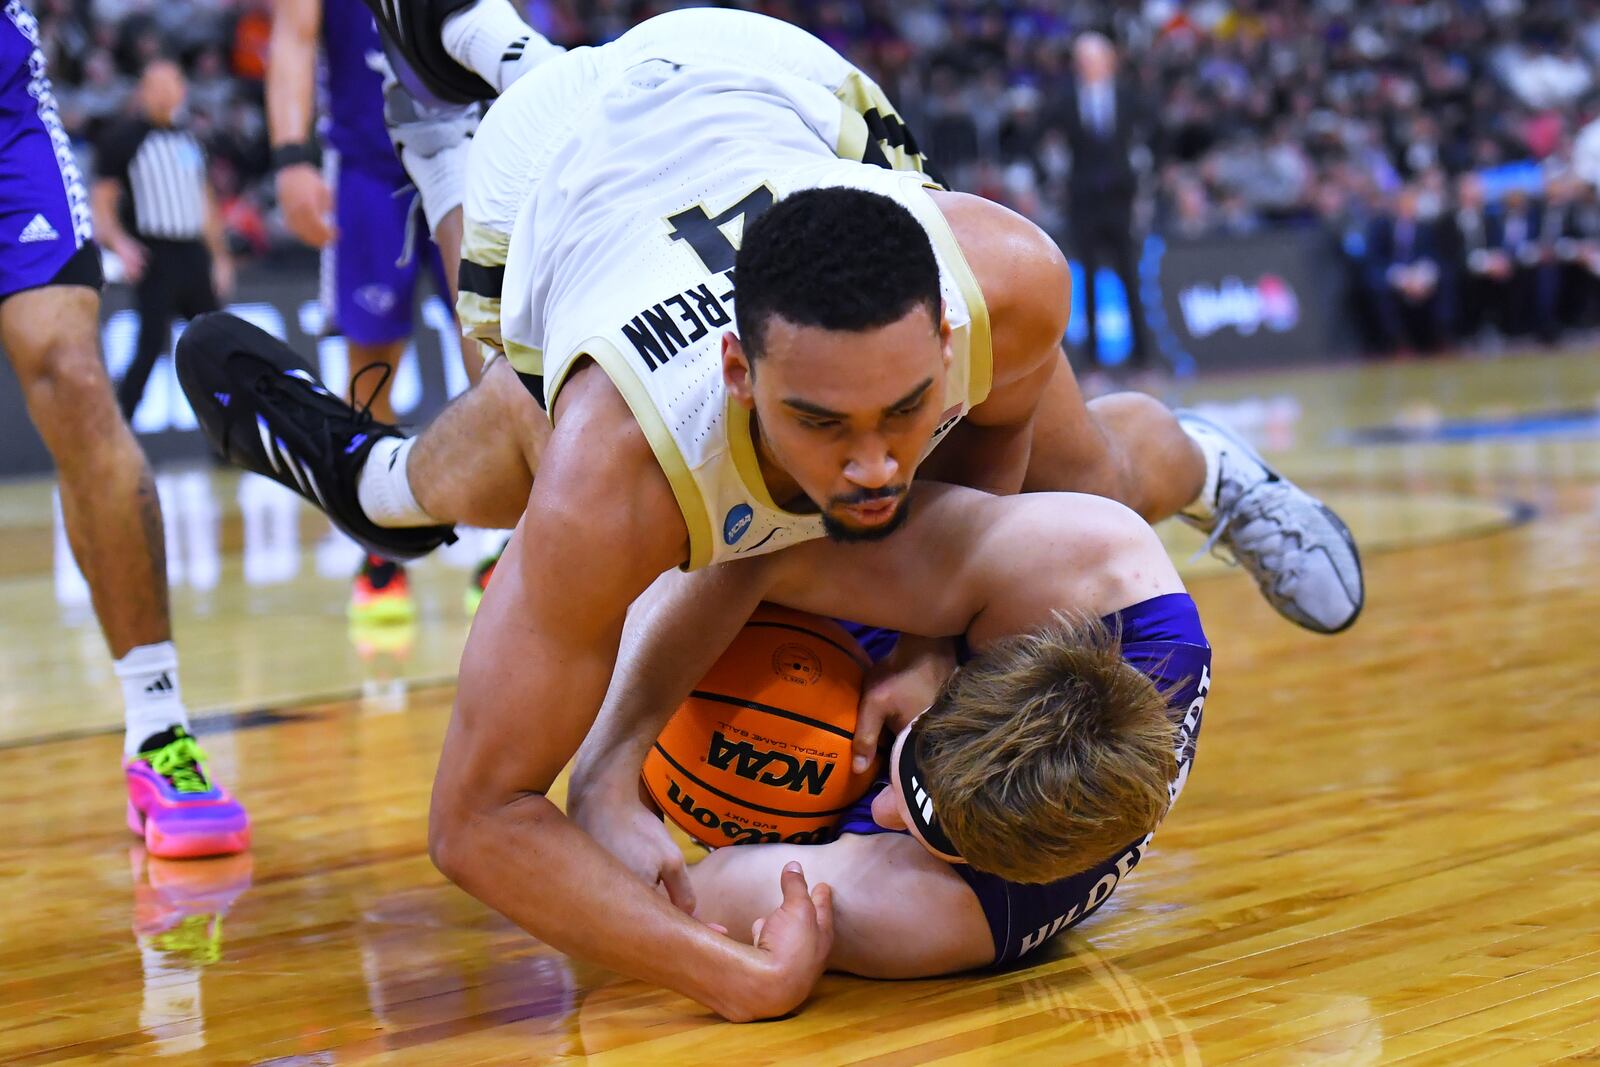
(760,752)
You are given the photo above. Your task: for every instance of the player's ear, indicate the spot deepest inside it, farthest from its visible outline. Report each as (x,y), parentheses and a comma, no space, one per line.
(886,810)
(737,374)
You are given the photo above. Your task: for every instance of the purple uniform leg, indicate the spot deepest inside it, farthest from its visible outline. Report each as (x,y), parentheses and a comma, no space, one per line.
(45,218)
(373,278)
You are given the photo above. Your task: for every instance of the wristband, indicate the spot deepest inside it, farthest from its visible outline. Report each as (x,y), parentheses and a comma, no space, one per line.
(289,155)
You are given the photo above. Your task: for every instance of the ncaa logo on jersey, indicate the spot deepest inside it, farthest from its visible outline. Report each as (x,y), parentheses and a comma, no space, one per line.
(737,523)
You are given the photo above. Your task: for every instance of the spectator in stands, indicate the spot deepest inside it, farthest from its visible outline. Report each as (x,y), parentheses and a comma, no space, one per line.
(1478,265)
(1405,276)
(1189,215)
(211,91)
(99,99)
(1579,252)
(1555,248)
(1266,103)
(252,33)
(1101,118)
(1530,304)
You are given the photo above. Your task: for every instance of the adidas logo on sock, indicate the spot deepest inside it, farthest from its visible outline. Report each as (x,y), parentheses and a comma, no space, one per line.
(162,684)
(39,229)
(515,50)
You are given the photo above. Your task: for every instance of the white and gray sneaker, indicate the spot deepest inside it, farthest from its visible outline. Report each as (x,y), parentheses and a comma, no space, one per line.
(1301,554)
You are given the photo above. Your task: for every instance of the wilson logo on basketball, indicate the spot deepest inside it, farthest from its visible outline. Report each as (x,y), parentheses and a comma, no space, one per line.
(797,664)
(737,833)
(767,767)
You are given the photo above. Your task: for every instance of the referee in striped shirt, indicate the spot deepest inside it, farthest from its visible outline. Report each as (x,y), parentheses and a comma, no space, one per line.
(153,207)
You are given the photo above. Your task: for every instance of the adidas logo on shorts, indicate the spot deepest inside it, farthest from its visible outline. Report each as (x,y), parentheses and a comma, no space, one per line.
(38,230)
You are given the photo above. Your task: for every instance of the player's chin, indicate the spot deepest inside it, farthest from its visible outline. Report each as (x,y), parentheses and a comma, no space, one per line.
(849,525)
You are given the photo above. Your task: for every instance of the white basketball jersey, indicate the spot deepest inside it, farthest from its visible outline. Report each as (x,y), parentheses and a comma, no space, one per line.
(624,254)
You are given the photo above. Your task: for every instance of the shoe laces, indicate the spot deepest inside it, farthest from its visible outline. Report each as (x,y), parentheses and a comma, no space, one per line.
(314,408)
(363,409)
(179,761)
(1252,505)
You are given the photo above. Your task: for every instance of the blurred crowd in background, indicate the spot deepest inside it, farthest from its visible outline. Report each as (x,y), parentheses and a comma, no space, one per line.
(1437,142)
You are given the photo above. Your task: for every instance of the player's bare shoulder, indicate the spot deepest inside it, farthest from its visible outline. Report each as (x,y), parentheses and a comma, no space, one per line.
(1040,552)
(599,466)
(1026,283)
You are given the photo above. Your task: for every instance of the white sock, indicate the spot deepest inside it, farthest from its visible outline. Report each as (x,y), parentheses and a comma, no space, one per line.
(384,488)
(150,693)
(1204,506)
(491,40)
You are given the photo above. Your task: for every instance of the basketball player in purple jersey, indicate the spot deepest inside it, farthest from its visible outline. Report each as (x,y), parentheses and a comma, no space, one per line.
(1011,808)
(49,322)
(358,208)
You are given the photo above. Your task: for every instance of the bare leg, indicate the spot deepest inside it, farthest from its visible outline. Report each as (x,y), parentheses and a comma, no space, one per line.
(447,236)
(108,498)
(474,464)
(1126,446)
(873,876)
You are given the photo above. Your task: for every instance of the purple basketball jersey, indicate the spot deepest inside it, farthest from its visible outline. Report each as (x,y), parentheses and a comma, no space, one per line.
(352,90)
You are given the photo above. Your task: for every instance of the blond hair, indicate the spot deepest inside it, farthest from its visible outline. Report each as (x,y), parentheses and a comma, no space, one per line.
(1048,752)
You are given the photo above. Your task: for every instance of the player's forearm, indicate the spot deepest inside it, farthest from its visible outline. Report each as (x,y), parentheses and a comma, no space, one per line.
(291,79)
(104,199)
(526,860)
(674,634)
(215,233)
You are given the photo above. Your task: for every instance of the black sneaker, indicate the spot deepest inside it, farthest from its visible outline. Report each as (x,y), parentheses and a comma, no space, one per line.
(262,407)
(413,32)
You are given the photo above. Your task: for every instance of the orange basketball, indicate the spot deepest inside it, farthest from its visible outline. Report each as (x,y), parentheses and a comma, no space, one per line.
(760,751)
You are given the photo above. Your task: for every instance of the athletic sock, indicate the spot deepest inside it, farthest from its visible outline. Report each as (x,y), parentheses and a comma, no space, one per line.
(1230,469)
(150,694)
(491,40)
(1204,506)
(384,488)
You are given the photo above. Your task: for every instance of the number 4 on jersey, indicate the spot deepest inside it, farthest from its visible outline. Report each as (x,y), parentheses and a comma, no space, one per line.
(704,232)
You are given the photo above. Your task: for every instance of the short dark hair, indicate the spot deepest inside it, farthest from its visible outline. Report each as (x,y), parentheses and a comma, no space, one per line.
(836,258)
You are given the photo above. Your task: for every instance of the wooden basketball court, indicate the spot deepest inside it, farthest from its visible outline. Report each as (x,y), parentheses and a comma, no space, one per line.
(1389,850)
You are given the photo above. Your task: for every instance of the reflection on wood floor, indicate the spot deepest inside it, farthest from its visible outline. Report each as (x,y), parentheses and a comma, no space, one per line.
(1389,851)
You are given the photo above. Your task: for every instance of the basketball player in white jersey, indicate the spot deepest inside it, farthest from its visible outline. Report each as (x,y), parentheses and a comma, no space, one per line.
(876,315)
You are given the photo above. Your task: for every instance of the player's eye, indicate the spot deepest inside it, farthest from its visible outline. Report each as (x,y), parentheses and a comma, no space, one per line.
(820,424)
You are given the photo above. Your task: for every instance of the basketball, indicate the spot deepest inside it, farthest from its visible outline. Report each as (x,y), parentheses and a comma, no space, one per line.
(760,752)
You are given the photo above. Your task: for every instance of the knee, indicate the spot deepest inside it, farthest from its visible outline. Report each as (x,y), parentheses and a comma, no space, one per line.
(1128,409)
(69,393)
(516,408)
(1141,447)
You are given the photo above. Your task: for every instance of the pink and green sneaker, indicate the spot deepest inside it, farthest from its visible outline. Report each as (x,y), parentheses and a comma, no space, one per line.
(179,810)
